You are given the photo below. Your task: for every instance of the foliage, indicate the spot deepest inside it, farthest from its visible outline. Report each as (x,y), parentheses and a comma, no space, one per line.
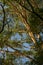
(21,32)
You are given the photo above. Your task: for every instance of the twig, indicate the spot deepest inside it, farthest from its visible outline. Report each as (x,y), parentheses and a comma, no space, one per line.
(3,18)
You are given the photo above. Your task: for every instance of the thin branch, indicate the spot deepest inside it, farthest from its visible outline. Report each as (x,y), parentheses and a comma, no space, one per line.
(25,23)
(3,18)
(31,6)
(39,16)
(20,53)
(34,2)
(34,11)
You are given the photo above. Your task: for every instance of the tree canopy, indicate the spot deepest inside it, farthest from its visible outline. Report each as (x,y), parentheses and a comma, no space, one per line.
(21,32)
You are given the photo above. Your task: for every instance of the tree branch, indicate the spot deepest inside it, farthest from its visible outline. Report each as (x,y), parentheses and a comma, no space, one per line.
(34,11)
(26,24)
(39,16)
(20,53)
(3,18)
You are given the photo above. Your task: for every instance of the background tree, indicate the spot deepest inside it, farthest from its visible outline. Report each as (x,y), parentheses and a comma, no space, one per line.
(21,35)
